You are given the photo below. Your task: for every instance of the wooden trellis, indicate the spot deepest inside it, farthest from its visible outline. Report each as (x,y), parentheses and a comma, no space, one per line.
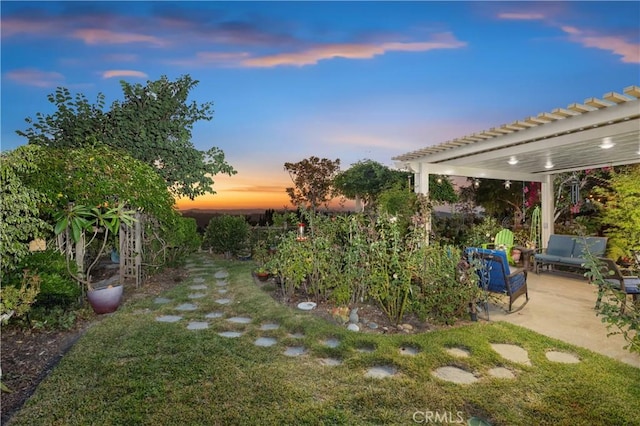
(131,250)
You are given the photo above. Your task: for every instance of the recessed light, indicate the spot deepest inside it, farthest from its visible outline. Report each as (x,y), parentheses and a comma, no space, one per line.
(513,161)
(549,165)
(607,143)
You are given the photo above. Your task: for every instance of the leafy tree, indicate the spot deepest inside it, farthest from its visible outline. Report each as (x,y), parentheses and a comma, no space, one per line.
(153,124)
(313,181)
(620,213)
(19,206)
(227,234)
(498,201)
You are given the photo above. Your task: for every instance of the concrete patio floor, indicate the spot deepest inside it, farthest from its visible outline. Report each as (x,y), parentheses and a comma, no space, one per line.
(563,308)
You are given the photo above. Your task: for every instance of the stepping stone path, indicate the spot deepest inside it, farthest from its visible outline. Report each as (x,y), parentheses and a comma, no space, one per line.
(449,373)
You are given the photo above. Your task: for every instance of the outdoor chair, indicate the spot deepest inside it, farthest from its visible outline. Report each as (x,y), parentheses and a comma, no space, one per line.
(496,277)
(502,241)
(627,284)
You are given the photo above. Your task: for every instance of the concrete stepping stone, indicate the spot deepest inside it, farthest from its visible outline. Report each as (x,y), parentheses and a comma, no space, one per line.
(365,349)
(186,307)
(239,320)
(222,301)
(221,274)
(169,318)
(331,342)
(161,300)
(295,351)
(197,325)
(381,371)
(501,373)
(214,315)
(562,357)
(330,362)
(512,353)
(455,375)
(196,295)
(230,334)
(198,287)
(198,280)
(265,341)
(296,335)
(222,291)
(221,283)
(269,326)
(409,350)
(458,352)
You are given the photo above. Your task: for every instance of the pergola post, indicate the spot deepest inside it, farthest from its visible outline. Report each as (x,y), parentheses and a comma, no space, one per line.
(546,209)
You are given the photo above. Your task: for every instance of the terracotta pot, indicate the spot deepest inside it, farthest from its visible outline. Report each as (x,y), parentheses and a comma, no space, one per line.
(262,276)
(515,255)
(105,300)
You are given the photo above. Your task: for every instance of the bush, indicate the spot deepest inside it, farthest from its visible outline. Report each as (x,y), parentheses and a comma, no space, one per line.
(227,234)
(16,302)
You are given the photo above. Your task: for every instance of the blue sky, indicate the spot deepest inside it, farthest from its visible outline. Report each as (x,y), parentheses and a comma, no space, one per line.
(347,80)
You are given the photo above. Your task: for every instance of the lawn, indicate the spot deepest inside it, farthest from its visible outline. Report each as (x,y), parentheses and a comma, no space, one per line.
(132,369)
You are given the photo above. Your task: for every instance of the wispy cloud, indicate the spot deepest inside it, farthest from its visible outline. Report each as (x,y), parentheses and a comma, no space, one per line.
(99,36)
(123,73)
(630,52)
(315,54)
(521,16)
(35,77)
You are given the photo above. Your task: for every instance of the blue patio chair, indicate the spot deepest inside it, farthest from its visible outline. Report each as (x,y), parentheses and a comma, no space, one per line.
(496,277)
(627,284)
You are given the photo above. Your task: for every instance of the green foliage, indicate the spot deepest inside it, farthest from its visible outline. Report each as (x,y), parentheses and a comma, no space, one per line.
(153,124)
(313,181)
(227,234)
(20,219)
(16,302)
(181,234)
(484,232)
(620,211)
(292,263)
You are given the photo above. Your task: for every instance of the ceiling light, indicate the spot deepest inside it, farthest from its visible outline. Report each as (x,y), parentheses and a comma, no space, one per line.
(548,165)
(507,184)
(513,161)
(476,183)
(607,143)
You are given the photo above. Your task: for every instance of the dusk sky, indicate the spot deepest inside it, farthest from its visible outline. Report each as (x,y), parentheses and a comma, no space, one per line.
(347,80)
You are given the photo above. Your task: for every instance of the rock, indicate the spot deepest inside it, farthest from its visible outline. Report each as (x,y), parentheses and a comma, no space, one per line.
(406,327)
(353,316)
(372,325)
(353,327)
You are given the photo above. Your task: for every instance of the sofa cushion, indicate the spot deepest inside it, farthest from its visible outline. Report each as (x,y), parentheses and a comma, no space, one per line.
(560,245)
(596,245)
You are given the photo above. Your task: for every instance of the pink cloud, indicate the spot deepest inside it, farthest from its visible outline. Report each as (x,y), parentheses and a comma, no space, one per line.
(98,36)
(123,73)
(35,77)
(351,51)
(521,16)
(630,52)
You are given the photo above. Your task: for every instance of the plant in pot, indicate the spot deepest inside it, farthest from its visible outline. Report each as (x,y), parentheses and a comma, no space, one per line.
(92,227)
(261,255)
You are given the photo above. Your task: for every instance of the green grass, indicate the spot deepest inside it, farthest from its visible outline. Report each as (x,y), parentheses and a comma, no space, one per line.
(131,369)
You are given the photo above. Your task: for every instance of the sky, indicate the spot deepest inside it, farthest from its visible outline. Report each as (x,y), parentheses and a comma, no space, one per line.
(337,80)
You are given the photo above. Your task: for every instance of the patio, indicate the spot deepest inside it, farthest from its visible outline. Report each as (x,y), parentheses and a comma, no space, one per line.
(562,307)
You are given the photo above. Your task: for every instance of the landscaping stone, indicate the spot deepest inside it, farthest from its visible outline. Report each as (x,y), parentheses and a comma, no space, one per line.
(198,280)
(265,341)
(372,325)
(409,350)
(296,335)
(196,295)
(197,325)
(458,352)
(295,351)
(186,307)
(214,315)
(269,326)
(353,327)
(230,334)
(198,287)
(222,291)
(169,318)
(223,301)
(221,283)
(562,357)
(455,375)
(239,320)
(501,373)
(161,300)
(221,274)
(512,353)
(381,371)
(330,362)
(332,343)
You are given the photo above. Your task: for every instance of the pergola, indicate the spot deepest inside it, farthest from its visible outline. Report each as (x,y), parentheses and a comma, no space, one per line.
(593,134)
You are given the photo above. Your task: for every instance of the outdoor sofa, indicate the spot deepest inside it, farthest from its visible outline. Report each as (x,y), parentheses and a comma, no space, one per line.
(569,251)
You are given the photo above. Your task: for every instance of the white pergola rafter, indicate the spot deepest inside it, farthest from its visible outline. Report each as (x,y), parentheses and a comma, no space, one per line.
(565,139)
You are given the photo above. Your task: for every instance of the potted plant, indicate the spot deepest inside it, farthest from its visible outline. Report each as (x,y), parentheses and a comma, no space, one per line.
(87,226)
(263,273)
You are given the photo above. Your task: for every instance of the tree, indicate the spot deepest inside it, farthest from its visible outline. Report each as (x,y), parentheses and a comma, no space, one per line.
(153,124)
(19,206)
(313,181)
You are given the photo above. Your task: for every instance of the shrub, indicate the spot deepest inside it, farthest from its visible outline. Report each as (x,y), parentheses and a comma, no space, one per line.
(16,302)
(227,234)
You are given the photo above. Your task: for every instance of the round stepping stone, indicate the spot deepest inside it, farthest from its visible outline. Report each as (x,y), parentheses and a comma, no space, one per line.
(222,291)
(501,373)
(230,334)
(458,352)
(306,306)
(197,325)
(296,335)
(512,353)
(221,283)
(169,318)
(265,341)
(365,349)
(409,350)
(455,375)
(295,351)
(221,274)
(223,301)
(563,357)
(161,300)
(269,326)
(332,343)
(198,287)
(196,295)
(330,362)
(239,320)
(381,371)
(198,280)
(214,315)
(186,307)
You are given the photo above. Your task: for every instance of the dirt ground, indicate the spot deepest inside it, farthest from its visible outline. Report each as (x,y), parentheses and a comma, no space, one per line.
(27,357)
